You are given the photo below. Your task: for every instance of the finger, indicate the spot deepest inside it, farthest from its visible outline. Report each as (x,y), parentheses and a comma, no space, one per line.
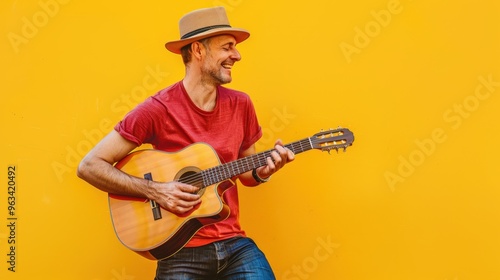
(179,210)
(290,155)
(277,159)
(270,165)
(283,153)
(187,188)
(286,154)
(187,204)
(180,205)
(188,197)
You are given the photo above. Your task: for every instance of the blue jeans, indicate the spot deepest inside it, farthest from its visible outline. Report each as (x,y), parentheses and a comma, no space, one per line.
(232,259)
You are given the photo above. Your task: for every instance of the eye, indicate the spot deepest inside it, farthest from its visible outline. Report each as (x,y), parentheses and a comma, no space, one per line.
(227,47)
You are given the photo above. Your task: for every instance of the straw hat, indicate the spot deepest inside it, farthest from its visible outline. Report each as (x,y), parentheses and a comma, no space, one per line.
(204,23)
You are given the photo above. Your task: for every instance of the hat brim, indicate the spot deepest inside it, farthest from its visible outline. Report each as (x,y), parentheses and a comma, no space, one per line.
(239,34)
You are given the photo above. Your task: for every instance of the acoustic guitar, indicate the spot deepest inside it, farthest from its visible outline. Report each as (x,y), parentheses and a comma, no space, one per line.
(155,233)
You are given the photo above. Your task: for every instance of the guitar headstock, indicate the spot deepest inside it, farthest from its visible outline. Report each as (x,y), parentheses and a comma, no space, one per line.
(332,139)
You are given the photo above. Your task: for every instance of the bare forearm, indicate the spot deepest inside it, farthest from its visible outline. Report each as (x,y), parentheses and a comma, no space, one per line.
(173,196)
(107,178)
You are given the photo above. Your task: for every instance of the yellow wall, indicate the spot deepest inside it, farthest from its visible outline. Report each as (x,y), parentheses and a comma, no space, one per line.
(418,82)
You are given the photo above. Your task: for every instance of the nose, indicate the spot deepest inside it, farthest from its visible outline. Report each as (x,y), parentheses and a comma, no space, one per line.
(236,55)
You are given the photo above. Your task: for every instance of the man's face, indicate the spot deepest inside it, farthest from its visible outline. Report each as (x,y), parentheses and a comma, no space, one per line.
(221,54)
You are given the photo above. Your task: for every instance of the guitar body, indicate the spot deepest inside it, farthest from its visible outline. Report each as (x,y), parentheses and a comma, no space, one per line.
(160,236)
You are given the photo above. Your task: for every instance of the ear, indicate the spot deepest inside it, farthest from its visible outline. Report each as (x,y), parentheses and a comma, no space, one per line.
(197,50)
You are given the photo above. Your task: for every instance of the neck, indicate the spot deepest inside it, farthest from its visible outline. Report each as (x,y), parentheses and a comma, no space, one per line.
(203,95)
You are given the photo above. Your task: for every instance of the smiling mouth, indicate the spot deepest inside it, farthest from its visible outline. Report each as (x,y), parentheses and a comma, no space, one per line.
(227,66)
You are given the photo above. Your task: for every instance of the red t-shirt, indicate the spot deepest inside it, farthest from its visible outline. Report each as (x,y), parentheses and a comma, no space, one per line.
(170,121)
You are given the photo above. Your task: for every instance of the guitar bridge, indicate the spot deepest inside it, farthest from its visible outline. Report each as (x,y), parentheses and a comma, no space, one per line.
(155,208)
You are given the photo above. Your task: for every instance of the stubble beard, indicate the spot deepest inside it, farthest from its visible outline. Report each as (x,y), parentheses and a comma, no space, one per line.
(215,76)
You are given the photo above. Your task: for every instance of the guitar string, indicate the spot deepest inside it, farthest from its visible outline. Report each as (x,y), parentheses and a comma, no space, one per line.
(214,174)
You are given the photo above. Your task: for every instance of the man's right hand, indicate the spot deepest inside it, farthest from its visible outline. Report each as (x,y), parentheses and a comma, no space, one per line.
(176,197)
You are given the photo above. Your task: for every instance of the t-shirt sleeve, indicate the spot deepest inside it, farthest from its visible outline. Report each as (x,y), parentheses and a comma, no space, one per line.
(138,125)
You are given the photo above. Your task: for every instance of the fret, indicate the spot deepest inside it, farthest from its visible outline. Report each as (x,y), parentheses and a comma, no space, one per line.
(226,171)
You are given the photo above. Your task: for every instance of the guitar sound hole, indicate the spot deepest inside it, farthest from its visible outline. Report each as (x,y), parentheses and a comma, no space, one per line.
(191,175)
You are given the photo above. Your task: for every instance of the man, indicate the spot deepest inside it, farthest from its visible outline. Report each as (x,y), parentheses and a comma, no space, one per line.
(196,109)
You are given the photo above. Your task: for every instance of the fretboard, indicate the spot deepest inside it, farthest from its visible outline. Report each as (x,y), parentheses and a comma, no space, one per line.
(228,170)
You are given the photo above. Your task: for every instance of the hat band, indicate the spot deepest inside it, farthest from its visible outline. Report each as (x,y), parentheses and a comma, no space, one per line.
(203,29)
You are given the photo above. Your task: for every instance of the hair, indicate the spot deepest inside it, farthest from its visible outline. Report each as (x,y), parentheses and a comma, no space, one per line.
(186,50)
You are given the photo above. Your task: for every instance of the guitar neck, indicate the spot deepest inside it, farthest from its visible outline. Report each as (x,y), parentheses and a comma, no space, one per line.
(228,170)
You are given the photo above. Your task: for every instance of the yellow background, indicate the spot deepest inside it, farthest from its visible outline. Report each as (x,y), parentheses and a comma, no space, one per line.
(418,82)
